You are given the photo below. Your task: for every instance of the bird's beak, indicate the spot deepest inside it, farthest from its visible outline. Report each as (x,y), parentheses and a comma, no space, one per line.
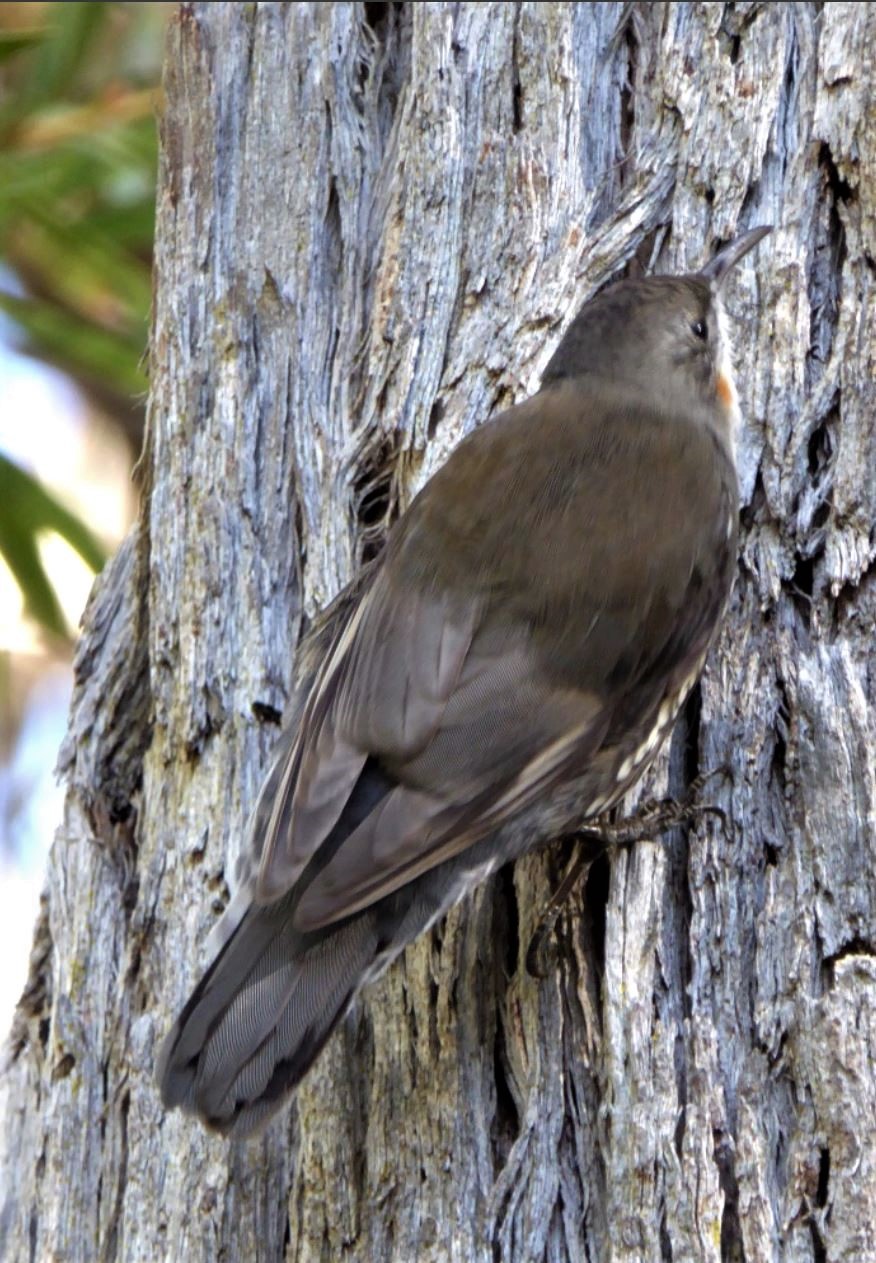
(729,255)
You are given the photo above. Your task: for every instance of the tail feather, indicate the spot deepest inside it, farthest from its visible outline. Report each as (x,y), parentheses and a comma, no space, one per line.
(266,1005)
(260,1016)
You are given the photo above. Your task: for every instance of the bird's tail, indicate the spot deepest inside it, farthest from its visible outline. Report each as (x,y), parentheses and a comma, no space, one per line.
(261,1014)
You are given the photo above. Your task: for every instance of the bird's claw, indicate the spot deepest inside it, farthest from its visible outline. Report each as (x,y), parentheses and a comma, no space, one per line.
(652,818)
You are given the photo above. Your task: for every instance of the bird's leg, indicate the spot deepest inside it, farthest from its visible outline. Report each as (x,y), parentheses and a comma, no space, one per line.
(657,815)
(653,817)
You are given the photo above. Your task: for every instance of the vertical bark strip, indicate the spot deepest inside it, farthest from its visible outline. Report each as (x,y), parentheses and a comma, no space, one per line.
(374,222)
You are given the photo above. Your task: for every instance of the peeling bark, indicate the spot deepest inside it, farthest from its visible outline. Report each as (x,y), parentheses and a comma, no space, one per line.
(374,223)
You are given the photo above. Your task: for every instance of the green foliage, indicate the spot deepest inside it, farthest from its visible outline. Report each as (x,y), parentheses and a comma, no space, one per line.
(78,154)
(28,510)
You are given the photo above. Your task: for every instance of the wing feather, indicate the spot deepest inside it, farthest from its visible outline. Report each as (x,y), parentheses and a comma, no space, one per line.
(382,692)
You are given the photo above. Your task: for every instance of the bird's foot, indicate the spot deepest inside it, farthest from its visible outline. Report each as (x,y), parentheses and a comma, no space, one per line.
(653,817)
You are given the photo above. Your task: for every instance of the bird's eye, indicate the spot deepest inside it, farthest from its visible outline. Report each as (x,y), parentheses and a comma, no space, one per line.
(699,330)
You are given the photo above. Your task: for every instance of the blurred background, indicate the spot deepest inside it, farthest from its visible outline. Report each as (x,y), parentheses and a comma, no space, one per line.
(79,100)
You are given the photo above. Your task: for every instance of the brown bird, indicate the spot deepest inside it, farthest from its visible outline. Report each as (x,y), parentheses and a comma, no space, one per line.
(507,668)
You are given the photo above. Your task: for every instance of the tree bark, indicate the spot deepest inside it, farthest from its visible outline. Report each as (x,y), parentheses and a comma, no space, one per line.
(374,223)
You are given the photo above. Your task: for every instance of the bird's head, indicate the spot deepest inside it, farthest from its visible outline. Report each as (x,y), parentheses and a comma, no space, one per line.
(665,337)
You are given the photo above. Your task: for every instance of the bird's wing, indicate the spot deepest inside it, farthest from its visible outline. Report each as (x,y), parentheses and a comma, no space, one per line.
(379,694)
(504,736)
(446,678)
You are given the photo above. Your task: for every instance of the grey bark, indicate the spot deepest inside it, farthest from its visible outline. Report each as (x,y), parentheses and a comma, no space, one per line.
(374,223)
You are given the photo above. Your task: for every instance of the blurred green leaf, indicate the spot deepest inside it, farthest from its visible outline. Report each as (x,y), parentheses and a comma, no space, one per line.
(97,355)
(19,550)
(36,509)
(95,276)
(12,42)
(70,29)
(28,510)
(132,225)
(78,158)
(77,194)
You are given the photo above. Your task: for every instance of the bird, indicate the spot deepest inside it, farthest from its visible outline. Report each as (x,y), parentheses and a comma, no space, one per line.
(510,664)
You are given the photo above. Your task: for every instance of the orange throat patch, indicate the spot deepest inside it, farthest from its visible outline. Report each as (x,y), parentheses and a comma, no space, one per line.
(725,390)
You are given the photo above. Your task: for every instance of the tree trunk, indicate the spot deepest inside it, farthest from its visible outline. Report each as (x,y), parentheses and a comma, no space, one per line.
(374,223)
